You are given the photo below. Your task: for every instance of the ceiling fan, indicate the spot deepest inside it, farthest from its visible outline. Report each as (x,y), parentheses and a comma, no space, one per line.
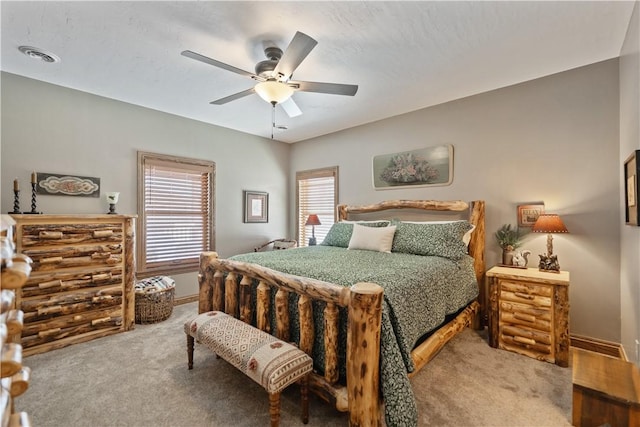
(274,75)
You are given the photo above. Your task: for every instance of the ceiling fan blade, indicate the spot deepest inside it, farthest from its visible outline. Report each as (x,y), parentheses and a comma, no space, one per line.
(295,53)
(207,60)
(233,97)
(291,108)
(330,88)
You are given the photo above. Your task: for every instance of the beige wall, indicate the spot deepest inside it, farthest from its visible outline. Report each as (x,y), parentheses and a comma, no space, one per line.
(630,141)
(553,139)
(49,128)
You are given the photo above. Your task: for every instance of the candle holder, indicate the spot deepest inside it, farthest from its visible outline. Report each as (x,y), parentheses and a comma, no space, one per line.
(112,198)
(16,202)
(33,200)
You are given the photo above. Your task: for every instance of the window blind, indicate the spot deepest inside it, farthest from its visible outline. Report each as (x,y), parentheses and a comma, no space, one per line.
(176,213)
(317,194)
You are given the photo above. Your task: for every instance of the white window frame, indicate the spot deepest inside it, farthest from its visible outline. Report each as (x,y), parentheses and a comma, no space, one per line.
(174,164)
(326,210)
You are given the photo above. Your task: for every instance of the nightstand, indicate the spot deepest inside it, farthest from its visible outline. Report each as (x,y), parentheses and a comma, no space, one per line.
(529,313)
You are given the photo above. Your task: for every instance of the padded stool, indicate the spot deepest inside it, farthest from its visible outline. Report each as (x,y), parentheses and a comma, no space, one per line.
(272,363)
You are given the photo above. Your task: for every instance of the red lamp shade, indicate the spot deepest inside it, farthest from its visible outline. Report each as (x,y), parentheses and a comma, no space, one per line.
(549,223)
(312,220)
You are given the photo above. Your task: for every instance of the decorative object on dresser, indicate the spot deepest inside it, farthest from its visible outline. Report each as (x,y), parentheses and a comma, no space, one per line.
(15,377)
(529,313)
(606,390)
(82,283)
(112,198)
(549,223)
(313,220)
(631,202)
(16,197)
(54,184)
(34,183)
(509,239)
(256,206)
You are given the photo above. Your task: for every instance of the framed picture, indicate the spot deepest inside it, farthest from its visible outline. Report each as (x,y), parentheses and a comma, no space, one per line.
(418,168)
(631,173)
(54,184)
(528,214)
(256,206)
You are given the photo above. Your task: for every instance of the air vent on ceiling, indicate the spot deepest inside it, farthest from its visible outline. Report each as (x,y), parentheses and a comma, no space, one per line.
(35,53)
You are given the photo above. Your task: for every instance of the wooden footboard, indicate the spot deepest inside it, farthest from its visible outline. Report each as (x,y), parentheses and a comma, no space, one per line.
(225,285)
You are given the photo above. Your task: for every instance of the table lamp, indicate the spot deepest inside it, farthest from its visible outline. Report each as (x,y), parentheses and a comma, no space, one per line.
(549,223)
(312,220)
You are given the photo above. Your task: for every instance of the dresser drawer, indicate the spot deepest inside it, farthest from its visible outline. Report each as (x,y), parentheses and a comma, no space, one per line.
(54,282)
(45,235)
(75,256)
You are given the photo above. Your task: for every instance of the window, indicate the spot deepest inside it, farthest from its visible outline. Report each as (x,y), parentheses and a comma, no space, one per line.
(317,193)
(175,207)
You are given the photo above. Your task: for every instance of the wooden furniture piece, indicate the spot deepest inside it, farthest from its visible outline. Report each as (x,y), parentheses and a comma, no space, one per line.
(82,284)
(225,285)
(15,376)
(606,391)
(530,313)
(272,363)
(277,244)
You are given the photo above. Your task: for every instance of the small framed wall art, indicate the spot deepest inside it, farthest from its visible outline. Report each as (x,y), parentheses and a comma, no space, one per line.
(631,173)
(256,206)
(528,214)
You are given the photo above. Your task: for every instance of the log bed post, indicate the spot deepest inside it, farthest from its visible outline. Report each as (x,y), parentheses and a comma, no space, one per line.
(363,354)
(205,282)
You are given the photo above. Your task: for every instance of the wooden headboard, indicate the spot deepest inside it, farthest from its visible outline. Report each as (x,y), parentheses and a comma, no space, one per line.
(472,211)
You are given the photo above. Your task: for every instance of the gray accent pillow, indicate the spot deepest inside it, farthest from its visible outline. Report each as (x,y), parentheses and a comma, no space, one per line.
(340,233)
(444,240)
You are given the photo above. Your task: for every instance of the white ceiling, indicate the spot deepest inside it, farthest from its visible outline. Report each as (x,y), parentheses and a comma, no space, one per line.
(403,55)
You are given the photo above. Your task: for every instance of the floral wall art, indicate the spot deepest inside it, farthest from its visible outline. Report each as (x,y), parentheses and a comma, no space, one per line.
(423,167)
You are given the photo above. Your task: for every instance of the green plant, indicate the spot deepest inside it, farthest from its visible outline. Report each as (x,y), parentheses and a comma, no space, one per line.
(508,237)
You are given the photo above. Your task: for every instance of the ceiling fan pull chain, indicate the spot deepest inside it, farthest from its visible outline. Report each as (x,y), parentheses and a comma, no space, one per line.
(273,118)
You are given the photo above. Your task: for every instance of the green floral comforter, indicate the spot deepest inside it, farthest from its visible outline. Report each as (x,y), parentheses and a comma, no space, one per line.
(419,291)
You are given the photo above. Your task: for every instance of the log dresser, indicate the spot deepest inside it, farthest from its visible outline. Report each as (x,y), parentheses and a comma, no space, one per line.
(529,313)
(82,281)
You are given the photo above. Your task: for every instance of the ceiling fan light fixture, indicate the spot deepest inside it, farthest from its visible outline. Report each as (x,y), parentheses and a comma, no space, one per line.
(273,91)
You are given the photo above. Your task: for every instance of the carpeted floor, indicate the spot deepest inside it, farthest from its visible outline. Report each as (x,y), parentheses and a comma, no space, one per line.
(140,378)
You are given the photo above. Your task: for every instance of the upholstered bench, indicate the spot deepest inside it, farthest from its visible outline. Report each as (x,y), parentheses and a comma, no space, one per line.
(272,363)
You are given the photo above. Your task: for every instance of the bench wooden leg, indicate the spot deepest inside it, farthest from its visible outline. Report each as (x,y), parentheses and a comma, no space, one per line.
(190,341)
(274,409)
(304,393)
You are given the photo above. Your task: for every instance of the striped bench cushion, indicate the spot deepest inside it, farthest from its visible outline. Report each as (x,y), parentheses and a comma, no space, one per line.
(272,363)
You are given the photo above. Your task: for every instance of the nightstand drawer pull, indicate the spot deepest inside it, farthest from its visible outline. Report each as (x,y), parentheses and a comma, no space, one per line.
(525,317)
(524,296)
(524,340)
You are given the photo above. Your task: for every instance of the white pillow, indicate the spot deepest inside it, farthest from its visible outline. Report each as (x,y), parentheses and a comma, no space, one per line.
(372,238)
(466,238)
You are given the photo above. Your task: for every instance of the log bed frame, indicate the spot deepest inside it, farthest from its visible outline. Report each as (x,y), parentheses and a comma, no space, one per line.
(363,302)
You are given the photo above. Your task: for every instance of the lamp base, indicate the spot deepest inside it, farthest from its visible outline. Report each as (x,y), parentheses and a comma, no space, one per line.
(549,263)
(112,209)
(312,241)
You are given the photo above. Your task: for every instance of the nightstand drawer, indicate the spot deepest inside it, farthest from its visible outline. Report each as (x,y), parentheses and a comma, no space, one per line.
(520,314)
